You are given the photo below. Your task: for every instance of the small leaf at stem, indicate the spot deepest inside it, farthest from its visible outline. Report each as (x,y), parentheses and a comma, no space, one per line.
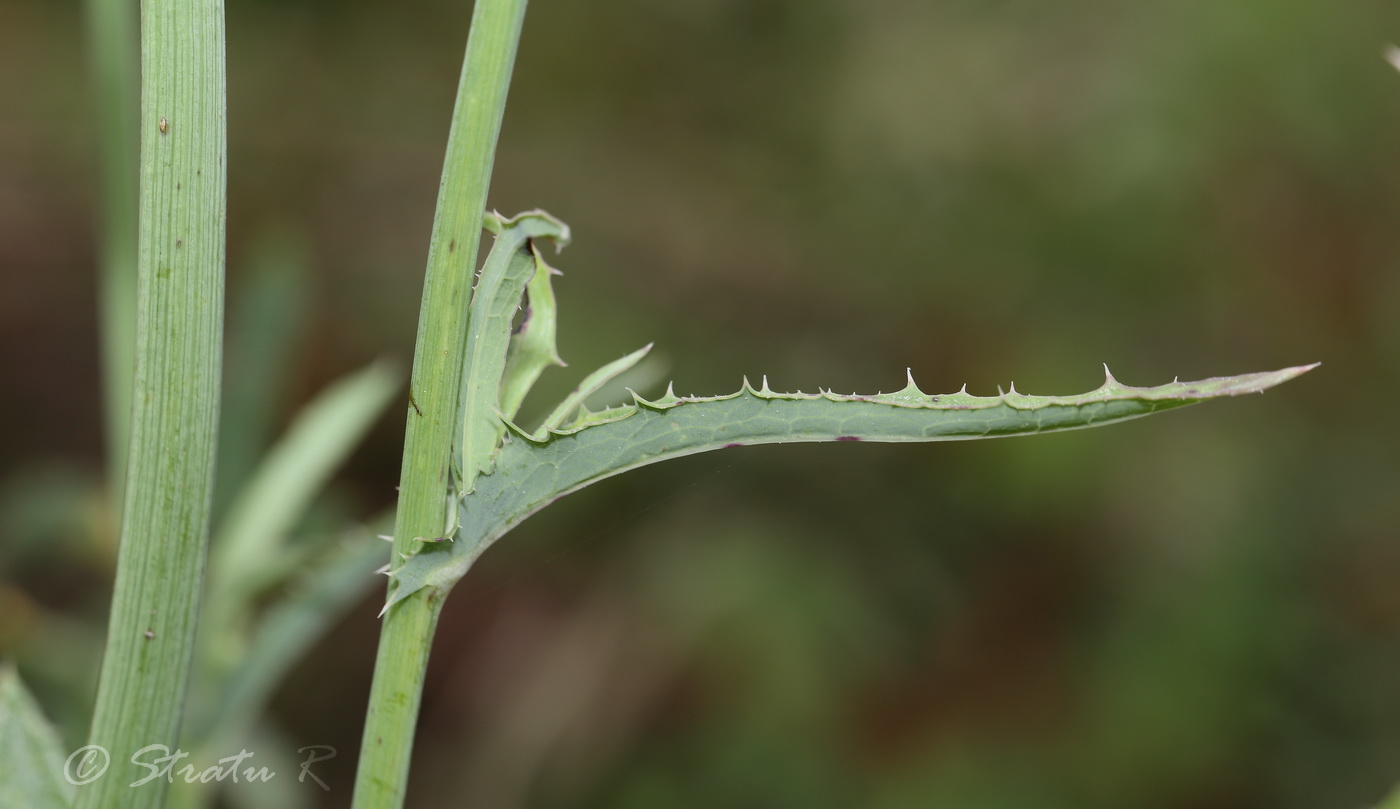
(504,276)
(533,345)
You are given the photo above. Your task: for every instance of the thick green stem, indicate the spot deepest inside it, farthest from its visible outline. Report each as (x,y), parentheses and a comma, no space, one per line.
(112,41)
(165,517)
(404,644)
(406,636)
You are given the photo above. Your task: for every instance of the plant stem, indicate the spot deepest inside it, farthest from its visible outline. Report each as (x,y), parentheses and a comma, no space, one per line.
(406,636)
(165,517)
(112,40)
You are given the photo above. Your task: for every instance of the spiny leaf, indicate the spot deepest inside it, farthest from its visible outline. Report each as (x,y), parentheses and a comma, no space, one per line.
(533,346)
(590,385)
(504,275)
(531,472)
(588,418)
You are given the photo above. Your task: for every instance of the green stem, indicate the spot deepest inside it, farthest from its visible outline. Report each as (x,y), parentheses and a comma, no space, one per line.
(112,40)
(406,636)
(165,517)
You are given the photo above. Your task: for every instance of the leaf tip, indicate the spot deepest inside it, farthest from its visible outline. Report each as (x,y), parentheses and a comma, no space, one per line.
(1258,383)
(1285,374)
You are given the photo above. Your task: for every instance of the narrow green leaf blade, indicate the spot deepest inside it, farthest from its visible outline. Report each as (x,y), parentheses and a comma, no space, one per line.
(32,775)
(296,469)
(249,549)
(267,318)
(529,474)
(332,583)
(590,385)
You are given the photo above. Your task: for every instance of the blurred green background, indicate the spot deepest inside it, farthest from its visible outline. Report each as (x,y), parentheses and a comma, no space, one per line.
(1191,612)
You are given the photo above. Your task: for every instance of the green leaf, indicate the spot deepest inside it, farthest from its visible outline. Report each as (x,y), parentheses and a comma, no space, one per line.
(267,317)
(590,385)
(248,550)
(32,776)
(504,275)
(533,346)
(329,586)
(532,472)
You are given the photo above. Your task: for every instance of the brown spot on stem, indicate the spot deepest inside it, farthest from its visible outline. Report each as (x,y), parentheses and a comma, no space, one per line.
(452,246)
(847,438)
(731,446)
(416,409)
